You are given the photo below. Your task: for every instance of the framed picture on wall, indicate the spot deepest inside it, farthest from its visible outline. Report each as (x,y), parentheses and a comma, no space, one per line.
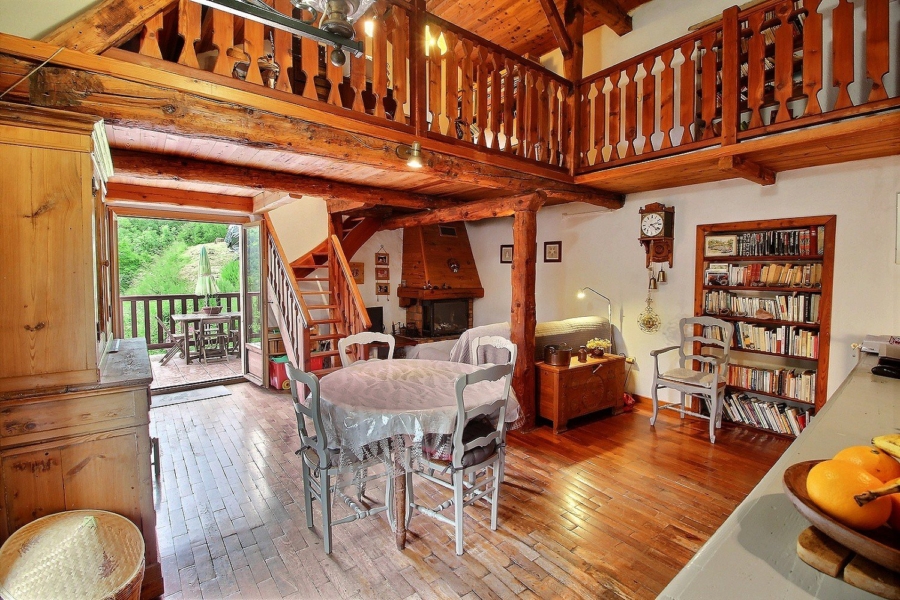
(506,254)
(382,289)
(382,259)
(358,270)
(382,273)
(552,251)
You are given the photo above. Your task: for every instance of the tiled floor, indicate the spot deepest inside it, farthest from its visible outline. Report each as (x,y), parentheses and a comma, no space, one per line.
(178,372)
(610,509)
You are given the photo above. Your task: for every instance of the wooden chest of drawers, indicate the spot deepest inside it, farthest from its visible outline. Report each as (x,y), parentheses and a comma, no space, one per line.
(580,389)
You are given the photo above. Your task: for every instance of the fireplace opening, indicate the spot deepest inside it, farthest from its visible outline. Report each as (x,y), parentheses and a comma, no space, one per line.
(444,317)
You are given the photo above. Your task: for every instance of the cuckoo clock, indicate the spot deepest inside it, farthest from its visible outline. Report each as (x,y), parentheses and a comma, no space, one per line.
(658,232)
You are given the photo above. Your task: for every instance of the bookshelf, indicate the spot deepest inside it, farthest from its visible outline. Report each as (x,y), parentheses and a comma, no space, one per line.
(773,280)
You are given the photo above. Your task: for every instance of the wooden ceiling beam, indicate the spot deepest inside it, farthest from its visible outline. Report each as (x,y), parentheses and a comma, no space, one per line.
(747,169)
(172,168)
(610,201)
(611,14)
(105,25)
(557,27)
(268,200)
(470,211)
(135,195)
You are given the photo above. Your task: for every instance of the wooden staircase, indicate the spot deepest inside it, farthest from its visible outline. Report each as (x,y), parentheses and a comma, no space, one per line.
(326,294)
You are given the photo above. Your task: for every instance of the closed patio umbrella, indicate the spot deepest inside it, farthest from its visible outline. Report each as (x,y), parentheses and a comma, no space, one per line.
(206,283)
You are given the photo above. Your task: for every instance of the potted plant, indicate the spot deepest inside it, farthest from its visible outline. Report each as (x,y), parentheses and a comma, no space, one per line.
(598,346)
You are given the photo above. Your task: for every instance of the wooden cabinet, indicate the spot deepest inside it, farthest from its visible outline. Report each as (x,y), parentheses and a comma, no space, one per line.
(50,320)
(580,389)
(86,448)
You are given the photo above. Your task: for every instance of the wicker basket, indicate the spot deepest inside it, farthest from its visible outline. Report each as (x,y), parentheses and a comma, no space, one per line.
(77,555)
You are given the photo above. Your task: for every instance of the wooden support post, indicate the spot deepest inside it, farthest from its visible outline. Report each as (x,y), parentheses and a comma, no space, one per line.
(418,84)
(747,169)
(573,66)
(730,75)
(523,317)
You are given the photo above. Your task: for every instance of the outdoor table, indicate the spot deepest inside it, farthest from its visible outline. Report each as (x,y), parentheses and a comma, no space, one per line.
(189,321)
(400,404)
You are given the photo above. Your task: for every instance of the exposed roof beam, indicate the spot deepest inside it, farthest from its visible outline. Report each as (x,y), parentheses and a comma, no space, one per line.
(604,199)
(266,201)
(105,25)
(747,169)
(172,168)
(136,195)
(611,14)
(557,26)
(471,211)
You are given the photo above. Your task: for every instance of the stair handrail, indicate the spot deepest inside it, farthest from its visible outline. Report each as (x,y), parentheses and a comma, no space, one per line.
(287,273)
(359,307)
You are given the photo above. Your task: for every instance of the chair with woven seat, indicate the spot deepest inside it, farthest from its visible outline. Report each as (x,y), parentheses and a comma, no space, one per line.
(323,466)
(493,349)
(476,457)
(697,334)
(363,339)
(176,341)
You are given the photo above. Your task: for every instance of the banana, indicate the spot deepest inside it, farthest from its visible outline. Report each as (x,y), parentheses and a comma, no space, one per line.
(889,443)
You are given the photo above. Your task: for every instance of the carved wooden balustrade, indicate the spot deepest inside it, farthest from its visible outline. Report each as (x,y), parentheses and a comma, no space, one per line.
(474,93)
(755,72)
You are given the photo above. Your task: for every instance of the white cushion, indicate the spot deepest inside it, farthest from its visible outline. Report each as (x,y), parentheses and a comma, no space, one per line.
(691,377)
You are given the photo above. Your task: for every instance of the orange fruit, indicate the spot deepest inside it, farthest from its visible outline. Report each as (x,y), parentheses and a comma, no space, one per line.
(831,484)
(894,521)
(877,462)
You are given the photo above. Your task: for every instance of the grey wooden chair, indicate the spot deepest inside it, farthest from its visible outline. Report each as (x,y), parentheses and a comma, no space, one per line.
(213,337)
(477,455)
(499,344)
(363,339)
(178,342)
(697,334)
(323,467)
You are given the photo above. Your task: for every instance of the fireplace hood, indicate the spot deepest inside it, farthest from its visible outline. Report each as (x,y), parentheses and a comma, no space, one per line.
(438,264)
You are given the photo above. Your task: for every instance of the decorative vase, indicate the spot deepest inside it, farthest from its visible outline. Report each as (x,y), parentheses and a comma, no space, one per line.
(597,352)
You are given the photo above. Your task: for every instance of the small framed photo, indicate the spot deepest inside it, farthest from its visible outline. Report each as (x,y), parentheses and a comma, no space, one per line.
(382,273)
(716,278)
(382,289)
(720,245)
(506,254)
(358,270)
(719,267)
(382,259)
(552,251)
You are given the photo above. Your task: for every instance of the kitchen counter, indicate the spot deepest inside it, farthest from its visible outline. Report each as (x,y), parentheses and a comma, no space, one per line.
(753,554)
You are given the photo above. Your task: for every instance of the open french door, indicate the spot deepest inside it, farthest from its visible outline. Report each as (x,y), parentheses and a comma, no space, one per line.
(254,306)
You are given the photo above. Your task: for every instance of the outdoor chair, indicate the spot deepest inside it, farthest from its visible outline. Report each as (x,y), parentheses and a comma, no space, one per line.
(176,343)
(708,383)
(323,467)
(474,469)
(213,337)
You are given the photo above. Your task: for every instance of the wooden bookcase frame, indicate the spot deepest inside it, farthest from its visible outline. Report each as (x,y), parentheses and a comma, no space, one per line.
(827,260)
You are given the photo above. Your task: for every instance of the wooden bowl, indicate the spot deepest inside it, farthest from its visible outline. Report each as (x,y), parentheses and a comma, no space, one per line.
(881,545)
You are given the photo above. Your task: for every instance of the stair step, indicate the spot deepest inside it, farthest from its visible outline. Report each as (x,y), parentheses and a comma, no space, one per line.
(321,306)
(319,353)
(314,279)
(323,321)
(322,372)
(326,336)
(316,293)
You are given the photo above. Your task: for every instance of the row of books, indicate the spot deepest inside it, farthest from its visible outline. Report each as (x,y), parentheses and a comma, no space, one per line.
(768,275)
(791,383)
(796,307)
(790,341)
(774,416)
(808,241)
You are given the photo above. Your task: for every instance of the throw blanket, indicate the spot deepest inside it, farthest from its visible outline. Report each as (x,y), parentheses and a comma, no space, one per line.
(461,352)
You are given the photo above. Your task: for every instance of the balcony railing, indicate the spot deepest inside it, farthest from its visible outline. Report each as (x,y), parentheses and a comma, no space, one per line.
(137,314)
(755,72)
(474,92)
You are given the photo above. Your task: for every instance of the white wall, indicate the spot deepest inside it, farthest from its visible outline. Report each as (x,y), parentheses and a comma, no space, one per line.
(392,243)
(601,250)
(36,18)
(301,225)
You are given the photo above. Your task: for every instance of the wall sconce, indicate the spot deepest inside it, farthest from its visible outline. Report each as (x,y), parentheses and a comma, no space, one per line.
(412,154)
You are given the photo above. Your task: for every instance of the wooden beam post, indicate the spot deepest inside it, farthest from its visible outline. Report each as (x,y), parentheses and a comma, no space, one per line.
(105,25)
(730,75)
(747,169)
(573,67)
(557,27)
(417,61)
(523,315)
(470,211)
(611,14)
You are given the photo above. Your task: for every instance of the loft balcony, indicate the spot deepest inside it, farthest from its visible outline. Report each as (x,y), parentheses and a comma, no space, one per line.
(774,87)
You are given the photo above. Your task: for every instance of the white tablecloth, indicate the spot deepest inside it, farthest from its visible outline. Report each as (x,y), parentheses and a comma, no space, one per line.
(371,401)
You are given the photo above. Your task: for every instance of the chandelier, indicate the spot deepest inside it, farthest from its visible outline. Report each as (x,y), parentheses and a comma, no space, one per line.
(335,27)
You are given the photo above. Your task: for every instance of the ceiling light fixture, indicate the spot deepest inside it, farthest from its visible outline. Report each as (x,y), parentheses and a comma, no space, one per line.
(412,154)
(335,28)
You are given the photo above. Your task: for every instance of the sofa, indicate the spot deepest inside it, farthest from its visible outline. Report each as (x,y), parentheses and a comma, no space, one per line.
(575,332)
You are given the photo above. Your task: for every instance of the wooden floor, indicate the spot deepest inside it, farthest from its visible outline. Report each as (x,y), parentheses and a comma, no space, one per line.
(609,509)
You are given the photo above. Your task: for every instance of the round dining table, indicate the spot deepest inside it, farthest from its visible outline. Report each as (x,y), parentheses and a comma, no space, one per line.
(377,400)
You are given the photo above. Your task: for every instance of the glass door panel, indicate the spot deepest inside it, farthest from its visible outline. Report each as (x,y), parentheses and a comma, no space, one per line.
(252,302)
